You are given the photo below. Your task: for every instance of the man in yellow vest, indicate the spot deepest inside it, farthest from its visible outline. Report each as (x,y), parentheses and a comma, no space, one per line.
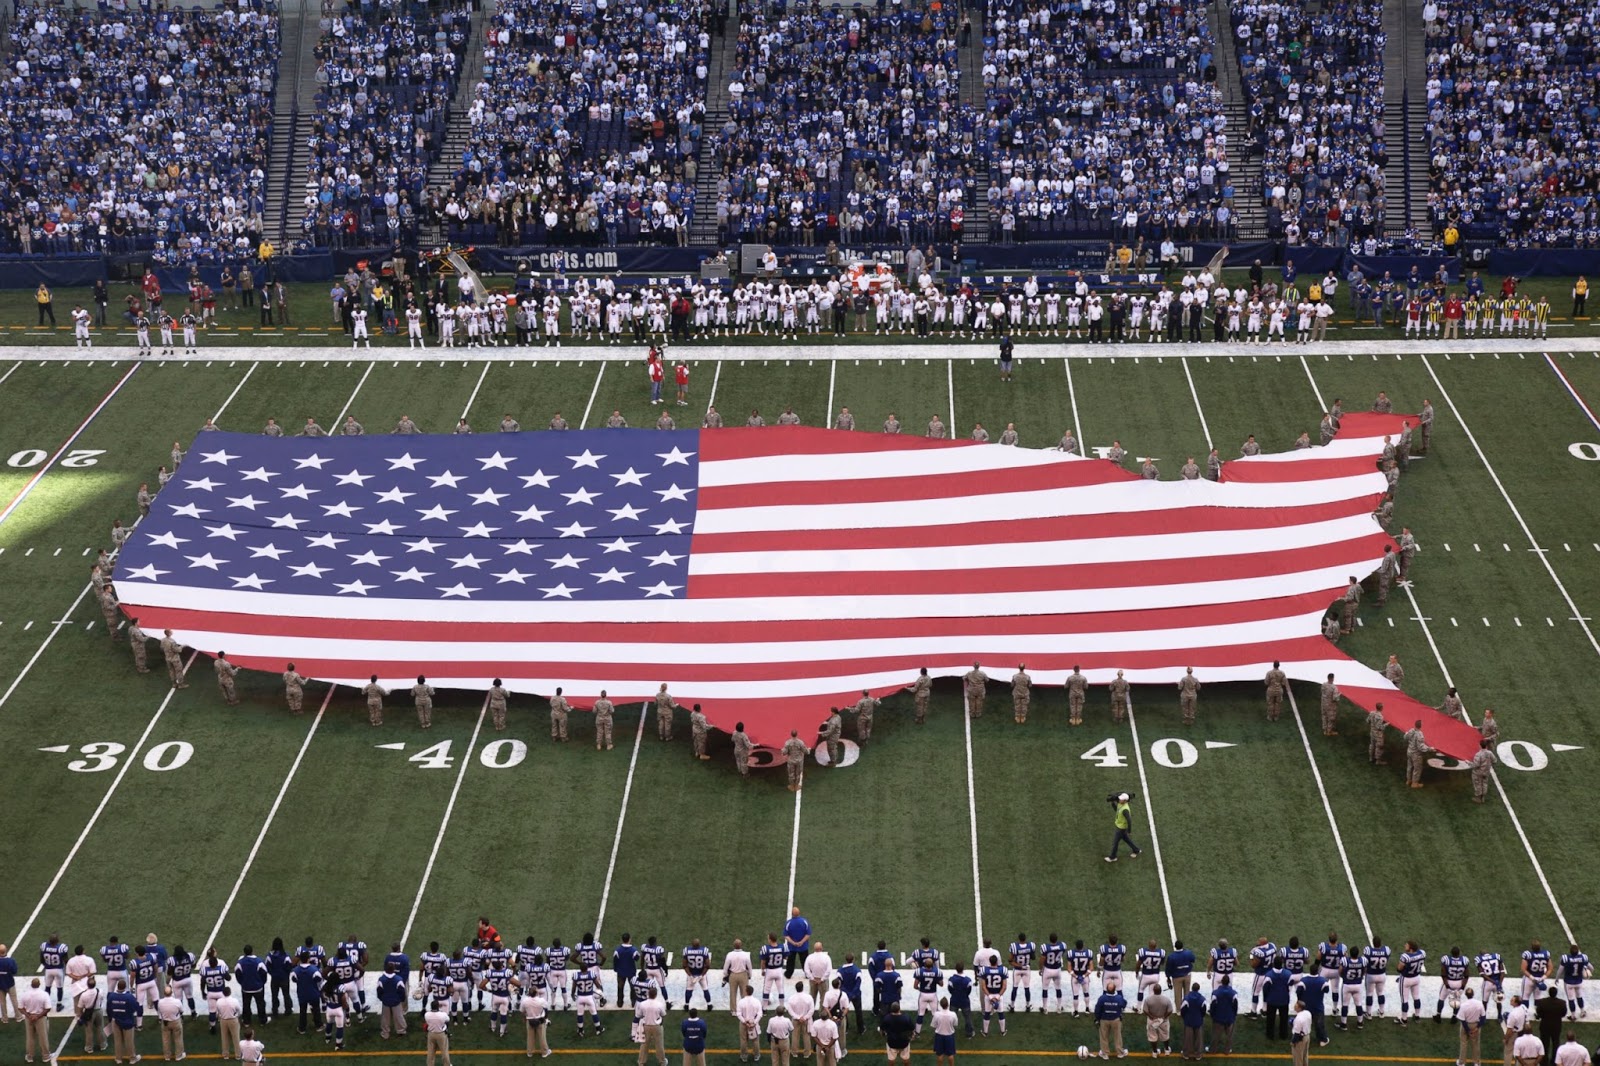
(1580,296)
(46,304)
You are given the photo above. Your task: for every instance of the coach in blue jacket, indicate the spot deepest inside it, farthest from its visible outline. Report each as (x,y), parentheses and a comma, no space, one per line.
(1224,1013)
(1180,964)
(1276,996)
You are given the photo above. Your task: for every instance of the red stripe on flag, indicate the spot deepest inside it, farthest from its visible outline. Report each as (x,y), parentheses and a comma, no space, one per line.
(748,443)
(1305,470)
(1441,732)
(1037,478)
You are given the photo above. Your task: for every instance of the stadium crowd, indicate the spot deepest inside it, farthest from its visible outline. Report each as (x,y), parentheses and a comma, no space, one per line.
(137,129)
(806,1002)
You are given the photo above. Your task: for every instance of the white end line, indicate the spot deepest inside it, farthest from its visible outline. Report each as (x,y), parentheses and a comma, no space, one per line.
(622,814)
(226,403)
(1516,823)
(1327,808)
(474,397)
(272,814)
(338,419)
(972,818)
(589,407)
(46,468)
(122,772)
(444,823)
(1150,809)
(1544,558)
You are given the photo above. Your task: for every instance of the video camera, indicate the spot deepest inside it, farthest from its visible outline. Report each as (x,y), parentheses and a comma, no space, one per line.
(1120,797)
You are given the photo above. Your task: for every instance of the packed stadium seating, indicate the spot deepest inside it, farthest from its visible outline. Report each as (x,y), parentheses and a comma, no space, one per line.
(585,125)
(131,129)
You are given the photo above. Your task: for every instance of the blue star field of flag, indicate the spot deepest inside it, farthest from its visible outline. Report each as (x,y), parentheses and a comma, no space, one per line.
(550,515)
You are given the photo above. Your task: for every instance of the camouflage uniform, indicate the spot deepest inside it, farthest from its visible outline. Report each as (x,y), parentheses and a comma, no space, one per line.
(174,657)
(1416,751)
(866,706)
(294,689)
(497,705)
(375,694)
(1402,447)
(422,695)
(1352,600)
(1277,680)
(1425,424)
(742,749)
(1077,689)
(137,641)
(891,425)
(1214,466)
(144,499)
(1188,697)
(698,730)
(1330,709)
(1453,707)
(1190,471)
(110,608)
(1119,698)
(1330,629)
(794,754)
(1387,571)
(1490,728)
(846,421)
(1482,766)
(664,708)
(1326,430)
(975,682)
(225,675)
(1408,553)
(604,714)
(1375,731)
(1395,673)
(559,708)
(1069,443)
(832,731)
(1021,694)
(921,689)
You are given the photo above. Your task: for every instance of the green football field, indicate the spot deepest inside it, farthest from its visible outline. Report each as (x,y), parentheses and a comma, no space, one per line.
(136,808)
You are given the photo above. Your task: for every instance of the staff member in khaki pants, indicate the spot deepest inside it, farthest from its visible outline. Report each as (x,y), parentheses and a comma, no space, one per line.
(228,1010)
(437,1023)
(1470,1015)
(122,1011)
(36,1021)
(169,1009)
(86,1005)
(736,972)
(536,1010)
(1512,1024)
(651,1013)
(779,1029)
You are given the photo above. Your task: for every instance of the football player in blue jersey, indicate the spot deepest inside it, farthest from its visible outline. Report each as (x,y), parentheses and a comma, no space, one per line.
(180,975)
(1151,963)
(1492,978)
(1376,957)
(1411,966)
(1352,976)
(1022,952)
(1052,960)
(1080,961)
(1535,968)
(696,972)
(53,959)
(1452,980)
(992,979)
(1112,952)
(1574,969)
(1261,957)
(556,958)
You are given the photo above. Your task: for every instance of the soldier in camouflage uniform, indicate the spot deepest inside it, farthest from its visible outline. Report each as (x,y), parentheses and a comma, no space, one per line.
(1452,705)
(665,422)
(559,709)
(1149,472)
(1329,703)
(935,429)
(846,420)
(665,705)
(1395,672)
(712,420)
(294,688)
(1021,693)
(1190,471)
(1416,751)
(144,499)
(1402,447)
(1425,425)
(375,694)
(975,683)
(1116,454)
(498,697)
(891,425)
(742,748)
(604,715)
(1482,766)
(615,420)
(312,429)
(832,734)
(1375,733)
(1009,437)
(138,642)
(1214,466)
(404,427)
(1250,446)
(699,728)
(794,754)
(1391,474)
(110,608)
(1326,429)
(1188,695)
(172,653)
(1277,681)
(1388,570)
(920,690)
(1068,443)
(1077,689)
(1383,405)
(422,696)
(1330,628)
(557,422)
(1385,512)
(866,706)
(226,672)
(1119,698)
(1352,600)
(1408,552)
(1490,727)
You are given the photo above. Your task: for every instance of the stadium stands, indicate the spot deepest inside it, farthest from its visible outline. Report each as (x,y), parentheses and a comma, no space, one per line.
(137,130)
(585,125)
(384,79)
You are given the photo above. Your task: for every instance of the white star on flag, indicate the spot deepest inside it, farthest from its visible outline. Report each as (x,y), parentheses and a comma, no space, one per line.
(560,590)
(168,539)
(488,496)
(459,589)
(354,477)
(568,560)
(661,589)
(189,510)
(673,493)
(209,561)
(574,530)
(218,457)
(260,473)
(620,545)
(539,479)
(286,521)
(385,527)
(249,503)
(423,545)
(309,570)
(479,530)
(677,456)
(664,559)
(268,551)
(496,461)
(360,588)
(521,547)
(299,492)
(468,560)
(581,496)
(368,558)
(405,462)
(326,540)
(205,484)
(627,511)
(342,509)
(613,575)
(412,574)
(588,458)
(437,511)
(446,480)
(513,575)
(223,531)
(630,477)
(671,525)
(394,495)
(315,462)
(147,572)
(251,581)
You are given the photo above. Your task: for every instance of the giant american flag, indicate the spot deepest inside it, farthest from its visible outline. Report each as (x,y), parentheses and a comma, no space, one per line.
(765,573)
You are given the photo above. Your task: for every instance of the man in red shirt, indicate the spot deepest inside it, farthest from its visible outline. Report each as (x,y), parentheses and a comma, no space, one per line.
(152,290)
(1453,310)
(681,372)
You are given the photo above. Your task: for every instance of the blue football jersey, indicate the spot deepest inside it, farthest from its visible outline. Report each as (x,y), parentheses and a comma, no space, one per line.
(1053,955)
(1413,963)
(1111,956)
(1377,958)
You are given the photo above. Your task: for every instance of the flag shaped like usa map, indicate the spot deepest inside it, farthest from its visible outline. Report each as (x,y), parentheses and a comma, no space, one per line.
(764,573)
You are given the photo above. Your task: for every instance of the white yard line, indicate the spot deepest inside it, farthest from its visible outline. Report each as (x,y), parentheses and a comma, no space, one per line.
(1322,406)
(622,814)
(1543,557)
(228,402)
(711,400)
(1333,824)
(1205,429)
(444,823)
(950,377)
(833,374)
(339,418)
(588,408)
(1150,810)
(794,847)
(1077,423)
(8,373)
(54,629)
(69,442)
(972,818)
(1516,823)
(272,814)
(128,759)
(1571,391)
(474,397)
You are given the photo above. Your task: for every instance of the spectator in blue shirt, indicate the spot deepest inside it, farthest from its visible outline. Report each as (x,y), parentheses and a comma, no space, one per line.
(122,1009)
(694,1039)
(1224,1013)
(1193,1010)
(850,985)
(796,941)
(1108,1011)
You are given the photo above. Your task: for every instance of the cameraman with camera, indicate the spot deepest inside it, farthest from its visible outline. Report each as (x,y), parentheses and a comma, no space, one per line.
(1124,825)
